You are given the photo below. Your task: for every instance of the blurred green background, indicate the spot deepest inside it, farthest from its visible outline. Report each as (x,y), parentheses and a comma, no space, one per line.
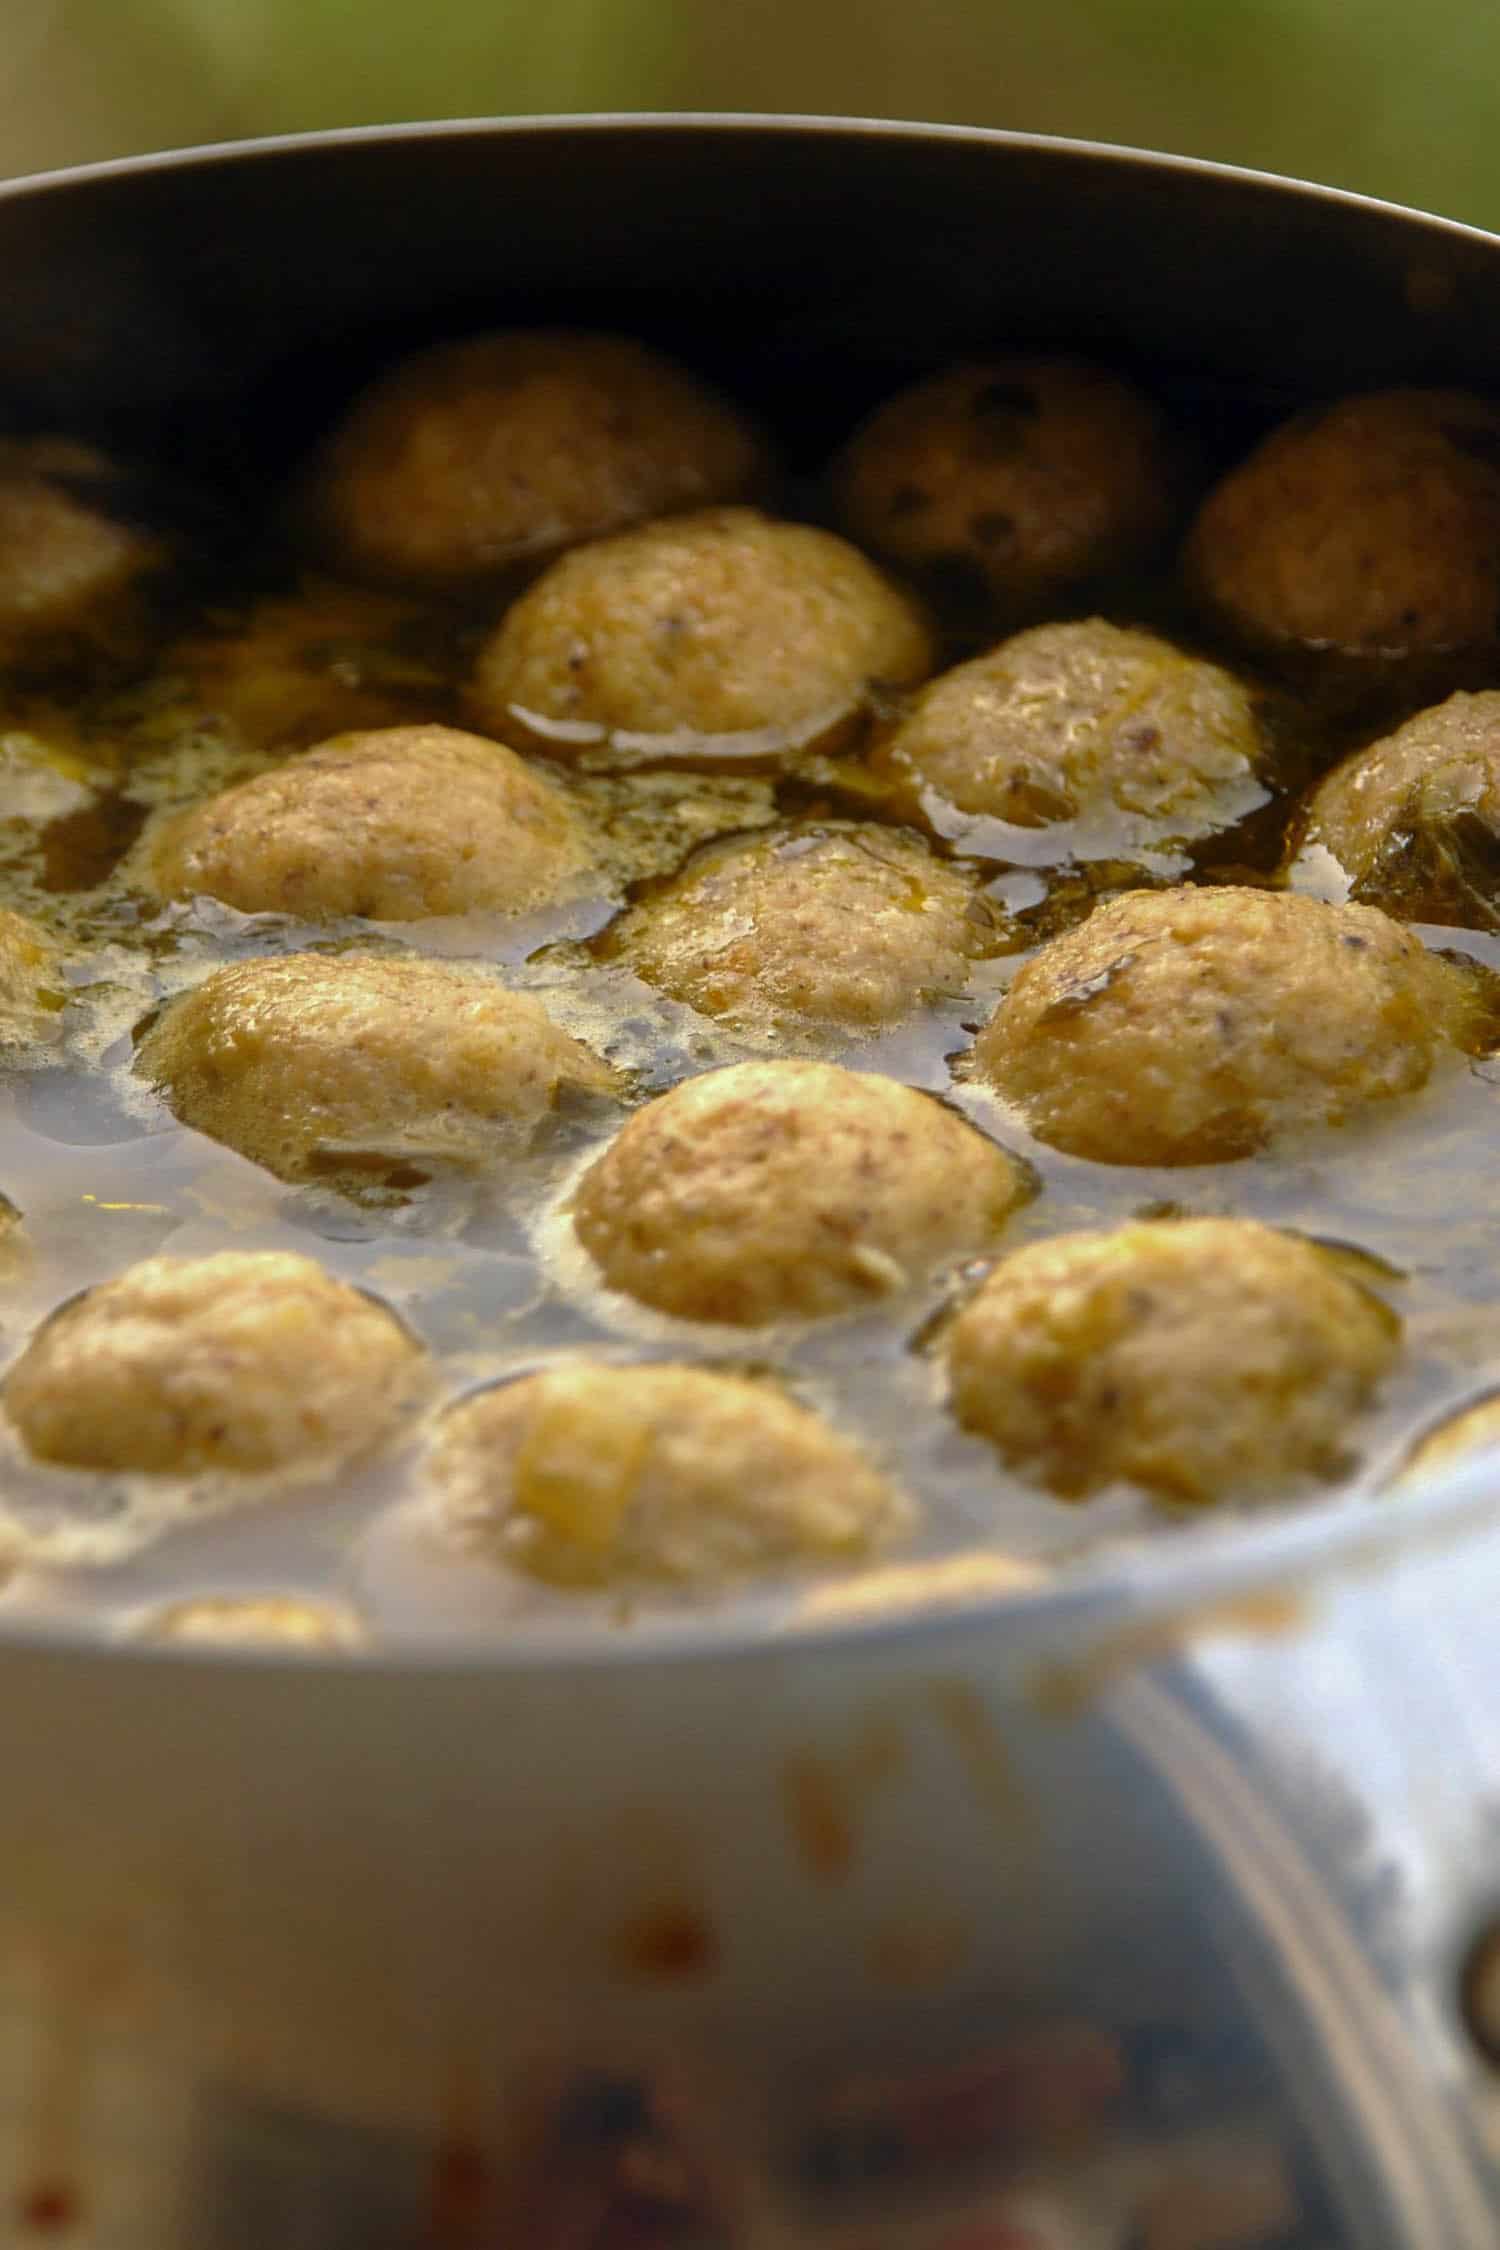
(1381,95)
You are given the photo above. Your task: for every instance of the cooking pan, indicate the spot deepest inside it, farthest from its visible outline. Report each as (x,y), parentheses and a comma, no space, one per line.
(984,1921)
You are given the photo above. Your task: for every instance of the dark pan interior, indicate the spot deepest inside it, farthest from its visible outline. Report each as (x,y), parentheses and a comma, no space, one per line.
(218,306)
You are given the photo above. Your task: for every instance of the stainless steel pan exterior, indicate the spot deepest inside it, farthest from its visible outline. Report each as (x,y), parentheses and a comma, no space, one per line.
(866,1936)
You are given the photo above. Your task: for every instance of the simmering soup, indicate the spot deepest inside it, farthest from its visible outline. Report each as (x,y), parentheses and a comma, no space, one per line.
(595,1032)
